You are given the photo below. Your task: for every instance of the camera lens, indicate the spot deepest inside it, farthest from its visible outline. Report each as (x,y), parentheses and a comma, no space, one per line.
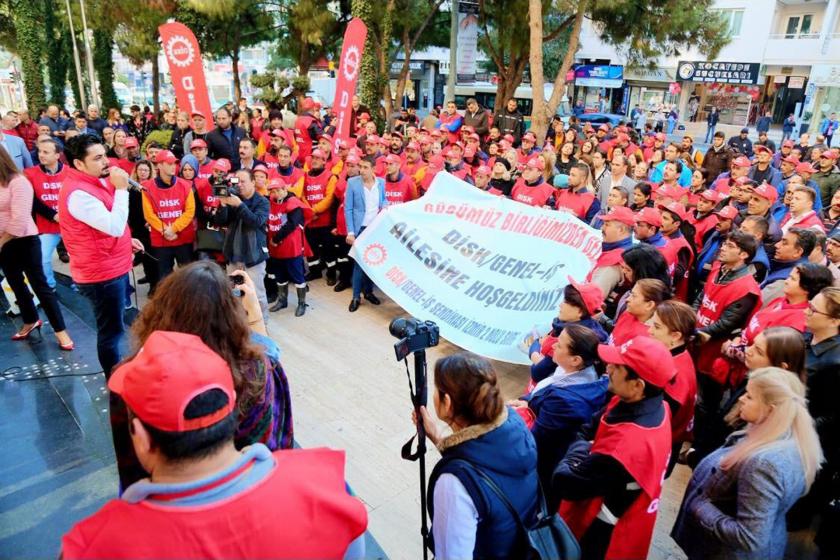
(397,328)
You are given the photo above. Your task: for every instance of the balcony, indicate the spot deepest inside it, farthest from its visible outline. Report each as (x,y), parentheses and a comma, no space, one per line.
(793,49)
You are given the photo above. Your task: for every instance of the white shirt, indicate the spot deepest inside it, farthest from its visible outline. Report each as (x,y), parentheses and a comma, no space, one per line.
(90,210)
(371,203)
(456,519)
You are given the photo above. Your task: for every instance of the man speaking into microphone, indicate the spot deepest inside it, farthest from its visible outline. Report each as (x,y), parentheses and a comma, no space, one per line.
(93,211)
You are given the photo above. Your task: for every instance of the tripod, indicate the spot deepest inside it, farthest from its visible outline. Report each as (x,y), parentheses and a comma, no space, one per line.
(418,399)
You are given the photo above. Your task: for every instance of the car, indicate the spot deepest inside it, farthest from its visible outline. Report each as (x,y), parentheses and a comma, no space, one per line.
(602,118)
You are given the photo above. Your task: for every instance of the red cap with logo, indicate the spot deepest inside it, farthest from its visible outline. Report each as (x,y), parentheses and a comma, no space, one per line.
(260,169)
(326,137)
(710,195)
(660,136)
(198,143)
(677,209)
(766,191)
(742,161)
(650,216)
(198,114)
(277,133)
(762,148)
(277,183)
(787,144)
(535,163)
(352,159)
(791,160)
(727,212)
(364,116)
(168,372)
(529,136)
(221,164)
(591,294)
(605,127)
(482,170)
(829,154)
(165,156)
(805,167)
(319,153)
(132,142)
(646,356)
(393,158)
(620,214)
(413,146)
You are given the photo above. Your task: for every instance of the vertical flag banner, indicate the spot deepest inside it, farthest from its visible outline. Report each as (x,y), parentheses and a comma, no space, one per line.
(467,42)
(486,269)
(184,58)
(348,74)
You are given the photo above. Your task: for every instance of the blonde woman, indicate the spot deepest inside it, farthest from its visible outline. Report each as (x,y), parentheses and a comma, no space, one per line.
(736,501)
(549,159)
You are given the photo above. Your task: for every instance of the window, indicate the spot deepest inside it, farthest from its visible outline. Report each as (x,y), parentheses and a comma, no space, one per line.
(798,26)
(732,19)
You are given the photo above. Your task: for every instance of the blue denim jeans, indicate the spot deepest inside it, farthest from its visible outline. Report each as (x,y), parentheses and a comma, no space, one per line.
(49,241)
(710,134)
(361,282)
(108,300)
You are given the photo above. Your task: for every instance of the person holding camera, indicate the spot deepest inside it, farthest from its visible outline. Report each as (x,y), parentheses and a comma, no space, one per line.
(245,213)
(364,199)
(469,520)
(169,209)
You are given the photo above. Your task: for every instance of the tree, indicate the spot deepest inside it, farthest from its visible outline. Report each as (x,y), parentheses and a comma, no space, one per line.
(368,89)
(419,26)
(27,19)
(103,61)
(57,55)
(309,30)
(642,31)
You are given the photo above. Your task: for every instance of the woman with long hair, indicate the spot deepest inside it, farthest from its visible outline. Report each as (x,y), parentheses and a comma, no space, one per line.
(645,295)
(637,262)
(601,179)
(118,149)
(115,120)
(143,171)
(586,149)
(673,324)
(199,299)
(566,158)
(737,498)
(469,520)
(20,255)
(642,196)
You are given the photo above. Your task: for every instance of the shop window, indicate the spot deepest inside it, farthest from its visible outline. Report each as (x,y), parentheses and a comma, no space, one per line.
(732,20)
(798,26)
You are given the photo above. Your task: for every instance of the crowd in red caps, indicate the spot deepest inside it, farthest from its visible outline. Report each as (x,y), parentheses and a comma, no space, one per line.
(667,340)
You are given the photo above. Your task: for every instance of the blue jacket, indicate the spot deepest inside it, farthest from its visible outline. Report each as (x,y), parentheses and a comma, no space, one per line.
(708,254)
(762,259)
(788,124)
(354,202)
(547,366)
(685,176)
(739,513)
(561,409)
(508,455)
(774,178)
(16,148)
(780,270)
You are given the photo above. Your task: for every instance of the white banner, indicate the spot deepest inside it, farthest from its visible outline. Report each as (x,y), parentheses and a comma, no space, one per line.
(467,42)
(486,269)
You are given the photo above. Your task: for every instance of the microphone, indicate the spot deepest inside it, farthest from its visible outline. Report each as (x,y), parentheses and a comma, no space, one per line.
(134,185)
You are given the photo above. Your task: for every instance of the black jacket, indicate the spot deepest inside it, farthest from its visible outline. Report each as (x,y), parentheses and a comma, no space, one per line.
(245,244)
(822,366)
(479,121)
(176,143)
(218,145)
(510,123)
(736,315)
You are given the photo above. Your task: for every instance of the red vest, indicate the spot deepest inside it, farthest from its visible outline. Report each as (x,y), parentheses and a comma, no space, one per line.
(46,189)
(123,164)
(716,298)
(577,203)
(809,220)
(644,453)
(302,138)
(626,327)
(777,313)
(702,226)
(607,259)
(94,256)
(300,510)
(292,177)
(168,205)
(532,196)
(683,389)
(446,119)
(205,170)
(416,171)
(314,191)
(462,173)
(676,245)
(292,244)
(399,191)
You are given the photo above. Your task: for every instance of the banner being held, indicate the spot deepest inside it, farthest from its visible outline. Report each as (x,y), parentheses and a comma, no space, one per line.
(185,66)
(348,74)
(486,269)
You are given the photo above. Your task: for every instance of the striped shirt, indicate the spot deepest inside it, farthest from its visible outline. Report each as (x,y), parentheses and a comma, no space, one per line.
(16,208)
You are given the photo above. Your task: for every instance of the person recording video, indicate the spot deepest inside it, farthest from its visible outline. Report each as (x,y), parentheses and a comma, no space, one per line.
(245,213)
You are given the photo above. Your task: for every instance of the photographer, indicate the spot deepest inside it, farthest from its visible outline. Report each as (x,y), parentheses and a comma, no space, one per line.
(468,518)
(245,213)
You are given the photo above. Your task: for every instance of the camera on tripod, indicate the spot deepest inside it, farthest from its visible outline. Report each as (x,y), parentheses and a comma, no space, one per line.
(414,335)
(226,186)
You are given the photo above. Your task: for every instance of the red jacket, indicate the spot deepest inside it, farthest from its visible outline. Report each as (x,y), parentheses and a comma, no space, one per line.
(536,195)
(29,133)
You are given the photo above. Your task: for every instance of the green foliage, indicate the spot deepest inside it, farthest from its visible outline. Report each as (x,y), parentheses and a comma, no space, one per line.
(272,86)
(27,19)
(162,137)
(308,32)
(367,88)
(57,55)
(8,35)
(224,33)
(103,61)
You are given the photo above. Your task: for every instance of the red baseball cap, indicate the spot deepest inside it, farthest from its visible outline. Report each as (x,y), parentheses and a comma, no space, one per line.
(650,216)
(393,158)
(168,372)
(198,114)
(165,156)
(352,159)
(767,191)
(829,154)
(591,294)
(805,167)
(762,148)
(529,136)
(131,142)
(468,129)
(326,137)
(710,195)
(221,164)
(307,104)
(198,143)
(660,136)
(535,163)
(413,146)
(482,170)
(260,169)
(365,116)
(277,183)
(742,161)
(727,212)
(620,214)
(646,356)
(474,136)
(277,133)
(508,137)
(605,127)
(791,160)
(676,208)
(319,153)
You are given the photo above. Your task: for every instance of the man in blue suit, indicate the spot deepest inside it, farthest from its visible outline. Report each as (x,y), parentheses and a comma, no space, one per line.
(16,148)
(364,199)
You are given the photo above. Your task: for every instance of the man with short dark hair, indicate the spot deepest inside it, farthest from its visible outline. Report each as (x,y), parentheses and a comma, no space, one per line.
(203,497)
(451,122)
(578,198)
(827,176)
(363,200)
(47,178)
(223,141)
(510,121)
(802,214)
(792,250)
(718,157)
(762,171)
(477,118)
(247,152)
(672,155)
(741,143)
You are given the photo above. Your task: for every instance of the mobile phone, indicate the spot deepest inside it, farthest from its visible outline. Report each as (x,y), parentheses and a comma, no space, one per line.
(236,279)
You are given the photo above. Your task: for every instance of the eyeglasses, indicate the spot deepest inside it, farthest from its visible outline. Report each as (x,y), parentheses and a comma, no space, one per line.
(813,309)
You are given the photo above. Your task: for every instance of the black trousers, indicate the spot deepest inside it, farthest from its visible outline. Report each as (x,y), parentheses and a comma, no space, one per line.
(22,256)
(322,242)
(168,256)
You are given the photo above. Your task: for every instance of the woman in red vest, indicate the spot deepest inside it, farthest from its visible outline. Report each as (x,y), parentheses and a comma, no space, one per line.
(674,221)
(673,325)
(286,220)
(610,480)
(645,295)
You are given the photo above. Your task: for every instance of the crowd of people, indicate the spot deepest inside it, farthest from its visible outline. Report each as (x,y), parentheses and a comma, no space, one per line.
(706,333)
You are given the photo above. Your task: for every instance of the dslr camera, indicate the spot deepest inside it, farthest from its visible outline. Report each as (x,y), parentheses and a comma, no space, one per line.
(225,187)
(413,335)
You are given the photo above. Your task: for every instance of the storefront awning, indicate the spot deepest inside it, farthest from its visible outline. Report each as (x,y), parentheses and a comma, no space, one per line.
(660,75)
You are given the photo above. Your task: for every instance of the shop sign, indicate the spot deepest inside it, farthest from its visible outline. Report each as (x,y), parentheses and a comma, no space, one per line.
(665,75)
(599,76)
(796,82)
(718,72)
(825,75)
